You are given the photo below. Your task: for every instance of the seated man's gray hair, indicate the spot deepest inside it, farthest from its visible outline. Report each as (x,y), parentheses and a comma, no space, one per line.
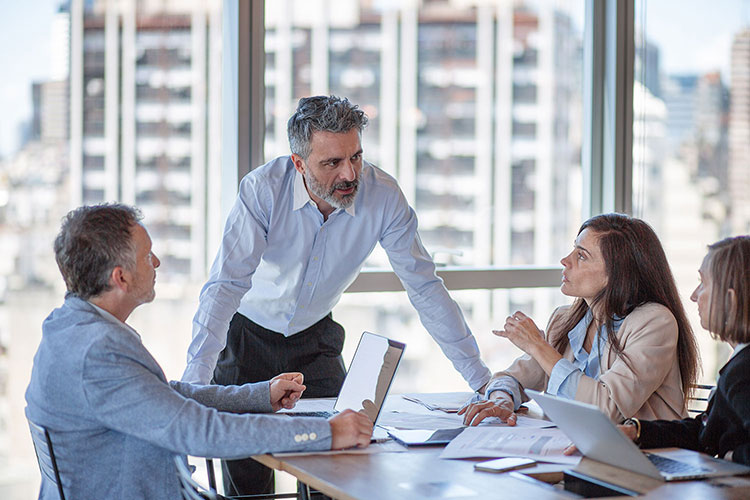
(93,240)
(322,113)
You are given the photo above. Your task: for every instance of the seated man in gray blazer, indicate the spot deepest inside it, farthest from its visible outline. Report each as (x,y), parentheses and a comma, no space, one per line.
(114,419)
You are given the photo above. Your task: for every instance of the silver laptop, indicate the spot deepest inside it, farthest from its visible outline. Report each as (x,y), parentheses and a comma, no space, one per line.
(598,438)
(369,377)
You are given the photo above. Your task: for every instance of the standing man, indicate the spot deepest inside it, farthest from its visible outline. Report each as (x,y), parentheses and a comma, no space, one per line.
(296,238)
(115,421)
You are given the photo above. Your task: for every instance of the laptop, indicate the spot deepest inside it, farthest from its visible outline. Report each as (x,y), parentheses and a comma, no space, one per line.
(369,377)
(598,438)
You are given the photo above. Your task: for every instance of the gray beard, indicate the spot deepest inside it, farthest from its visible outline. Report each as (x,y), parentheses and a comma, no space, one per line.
(328,195)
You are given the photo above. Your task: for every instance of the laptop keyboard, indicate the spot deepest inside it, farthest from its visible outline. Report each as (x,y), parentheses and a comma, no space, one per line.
(324,414)
(675,467)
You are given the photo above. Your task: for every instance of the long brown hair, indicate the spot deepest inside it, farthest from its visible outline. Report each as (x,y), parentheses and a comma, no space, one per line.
(729,268)
(637,273)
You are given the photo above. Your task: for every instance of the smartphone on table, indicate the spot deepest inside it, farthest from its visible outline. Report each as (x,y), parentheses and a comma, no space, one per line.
(504,464)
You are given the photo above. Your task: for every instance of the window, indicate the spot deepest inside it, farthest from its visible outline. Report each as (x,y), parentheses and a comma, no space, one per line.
(690,153)
(130,111)
(476,110)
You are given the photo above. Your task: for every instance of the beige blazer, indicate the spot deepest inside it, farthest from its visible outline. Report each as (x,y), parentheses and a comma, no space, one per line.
(648,387)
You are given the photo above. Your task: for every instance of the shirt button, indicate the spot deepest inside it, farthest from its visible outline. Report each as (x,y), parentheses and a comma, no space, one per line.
(297,438)
(315,258)
(301,307)
(305,437)
(309,283)
(313,436)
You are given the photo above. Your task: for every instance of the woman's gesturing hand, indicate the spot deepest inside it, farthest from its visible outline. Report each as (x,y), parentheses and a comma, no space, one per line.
(522,331)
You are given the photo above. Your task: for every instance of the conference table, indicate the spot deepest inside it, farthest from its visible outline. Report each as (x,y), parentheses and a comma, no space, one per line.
(419,473)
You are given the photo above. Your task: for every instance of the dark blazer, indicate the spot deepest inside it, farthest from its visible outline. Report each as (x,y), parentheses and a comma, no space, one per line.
(723,427)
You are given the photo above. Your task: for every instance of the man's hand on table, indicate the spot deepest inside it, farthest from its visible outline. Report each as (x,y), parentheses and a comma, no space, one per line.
(502,408)
(286,390)
(350,428)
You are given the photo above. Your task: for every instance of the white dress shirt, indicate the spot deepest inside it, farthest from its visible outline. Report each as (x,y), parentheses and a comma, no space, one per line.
(284,267)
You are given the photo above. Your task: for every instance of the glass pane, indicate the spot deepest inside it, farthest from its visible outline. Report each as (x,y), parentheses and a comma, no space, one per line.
(120,102)
(690,141)
(476,109)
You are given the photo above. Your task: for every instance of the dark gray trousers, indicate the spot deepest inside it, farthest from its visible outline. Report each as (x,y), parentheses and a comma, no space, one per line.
(254,354)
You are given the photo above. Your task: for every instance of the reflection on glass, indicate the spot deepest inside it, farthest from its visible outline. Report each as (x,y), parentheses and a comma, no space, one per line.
(370,374)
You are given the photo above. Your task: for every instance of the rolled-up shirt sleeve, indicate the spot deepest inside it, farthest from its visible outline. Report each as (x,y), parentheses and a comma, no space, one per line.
(508,385)
(563,380)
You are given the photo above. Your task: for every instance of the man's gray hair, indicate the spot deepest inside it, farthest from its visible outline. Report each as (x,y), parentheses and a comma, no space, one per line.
(322,113)
(93,240)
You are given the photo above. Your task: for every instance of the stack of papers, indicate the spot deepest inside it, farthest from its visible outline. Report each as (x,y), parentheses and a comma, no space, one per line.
(545,445)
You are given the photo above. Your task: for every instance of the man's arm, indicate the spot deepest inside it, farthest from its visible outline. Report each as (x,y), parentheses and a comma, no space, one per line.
(282,391)
(124,395)
(439,314)
(247,398)
(231,275)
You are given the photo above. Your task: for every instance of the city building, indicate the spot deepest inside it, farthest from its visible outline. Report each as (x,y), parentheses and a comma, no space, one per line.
(739,134)
(145,99)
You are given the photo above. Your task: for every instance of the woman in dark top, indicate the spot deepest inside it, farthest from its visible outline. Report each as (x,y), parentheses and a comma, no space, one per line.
(723,298)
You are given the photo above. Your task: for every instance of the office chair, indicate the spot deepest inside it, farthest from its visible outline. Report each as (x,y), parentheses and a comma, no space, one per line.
(698,399)
(45,455)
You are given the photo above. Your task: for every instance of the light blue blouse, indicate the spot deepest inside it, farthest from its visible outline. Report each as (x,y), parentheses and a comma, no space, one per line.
(566,374)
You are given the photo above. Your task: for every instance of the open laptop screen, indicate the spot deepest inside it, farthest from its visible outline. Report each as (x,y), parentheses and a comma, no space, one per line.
(370,375)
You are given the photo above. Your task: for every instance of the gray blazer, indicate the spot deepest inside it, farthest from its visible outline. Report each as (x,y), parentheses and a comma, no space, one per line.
(116,422)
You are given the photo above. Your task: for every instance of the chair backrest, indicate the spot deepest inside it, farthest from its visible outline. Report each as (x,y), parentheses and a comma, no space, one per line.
(189,488)
(211,474)
(45,455)
(698,400)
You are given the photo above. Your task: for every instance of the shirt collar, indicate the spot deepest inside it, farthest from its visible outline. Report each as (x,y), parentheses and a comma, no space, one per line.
(738,349)
(577,335)
(108,316)
(302,197)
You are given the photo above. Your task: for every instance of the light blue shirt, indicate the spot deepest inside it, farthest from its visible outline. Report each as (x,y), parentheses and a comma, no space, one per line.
(566,374)
(284,267)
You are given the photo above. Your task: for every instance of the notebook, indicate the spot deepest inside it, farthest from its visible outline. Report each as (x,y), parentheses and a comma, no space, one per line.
(598,438)
(369,377)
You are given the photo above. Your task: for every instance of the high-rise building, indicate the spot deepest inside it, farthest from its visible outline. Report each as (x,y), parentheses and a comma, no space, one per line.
(145,98)
(739,134)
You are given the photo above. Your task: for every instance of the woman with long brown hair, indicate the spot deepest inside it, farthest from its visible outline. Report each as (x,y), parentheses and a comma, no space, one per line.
(624,344)
(723,299)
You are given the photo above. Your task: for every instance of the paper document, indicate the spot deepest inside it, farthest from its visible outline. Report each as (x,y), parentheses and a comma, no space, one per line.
(449,402)
(546,445)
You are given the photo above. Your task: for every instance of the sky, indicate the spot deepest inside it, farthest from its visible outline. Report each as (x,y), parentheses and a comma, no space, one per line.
(693,36)
(24,58)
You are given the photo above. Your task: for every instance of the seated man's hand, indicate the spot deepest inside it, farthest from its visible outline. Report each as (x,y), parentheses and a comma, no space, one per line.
(286,390)
(501,408)
(350,428)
